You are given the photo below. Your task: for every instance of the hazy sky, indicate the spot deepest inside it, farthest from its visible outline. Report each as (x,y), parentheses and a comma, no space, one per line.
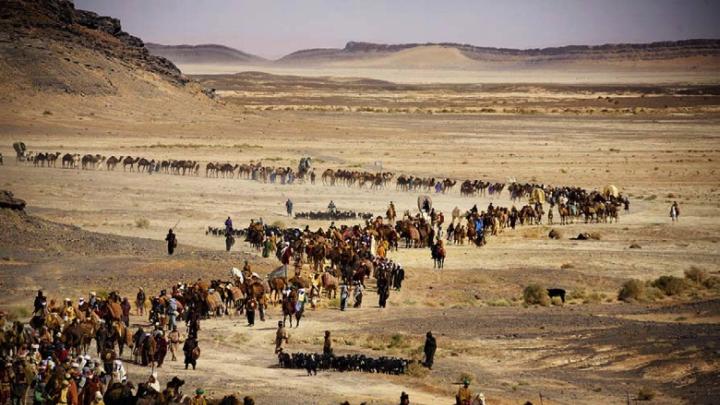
(272,28)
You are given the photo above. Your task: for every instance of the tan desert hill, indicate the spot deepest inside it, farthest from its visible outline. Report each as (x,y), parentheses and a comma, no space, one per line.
(53,56)
(205,53)
(691,54)
(422,57)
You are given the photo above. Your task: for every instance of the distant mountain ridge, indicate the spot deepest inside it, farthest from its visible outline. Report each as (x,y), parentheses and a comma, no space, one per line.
(664,50)
(203,53)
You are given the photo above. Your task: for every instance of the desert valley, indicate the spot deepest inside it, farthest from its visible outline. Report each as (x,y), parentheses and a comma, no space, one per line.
(639,318)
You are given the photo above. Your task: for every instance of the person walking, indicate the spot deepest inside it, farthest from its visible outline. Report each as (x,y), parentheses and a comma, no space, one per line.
(674,211)
(383,290)
(289,207)
(228,225)
(250,307)
(161,348)
(191,349)
(140,301)
(327,344)
(429,349)
(358,296)
(174,337)
(343,296)
(281,336)
(171,242)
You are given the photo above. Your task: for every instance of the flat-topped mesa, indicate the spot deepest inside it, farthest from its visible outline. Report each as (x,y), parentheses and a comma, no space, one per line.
(655,51)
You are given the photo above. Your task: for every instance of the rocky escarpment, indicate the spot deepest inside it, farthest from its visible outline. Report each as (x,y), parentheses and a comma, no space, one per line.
(31,28)
(666,50)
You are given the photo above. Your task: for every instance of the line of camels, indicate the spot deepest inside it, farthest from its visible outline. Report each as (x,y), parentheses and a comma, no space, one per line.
(256,171)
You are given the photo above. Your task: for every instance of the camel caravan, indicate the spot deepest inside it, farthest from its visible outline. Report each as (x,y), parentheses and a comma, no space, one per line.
(354,178)
(571,201)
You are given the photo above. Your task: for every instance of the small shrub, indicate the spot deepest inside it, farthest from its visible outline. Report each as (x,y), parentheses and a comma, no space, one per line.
(631,290)
(416,370)
(555,234)
(567,266)
(670,285)
(397,341)
(502,302)
(696,274)
(712,282)
(576,294)
(466,376)
(645,394)
(595,298)
(595,236)
(654,294)
(535,294)
(635,246)
(142,223)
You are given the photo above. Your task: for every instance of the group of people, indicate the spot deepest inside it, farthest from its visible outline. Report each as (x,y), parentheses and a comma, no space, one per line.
(44,357)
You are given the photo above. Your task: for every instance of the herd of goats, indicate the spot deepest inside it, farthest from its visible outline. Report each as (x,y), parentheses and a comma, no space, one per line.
(270,174)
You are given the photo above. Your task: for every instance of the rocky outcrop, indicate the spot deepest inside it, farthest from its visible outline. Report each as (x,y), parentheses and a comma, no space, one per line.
(59,20)
(7,200)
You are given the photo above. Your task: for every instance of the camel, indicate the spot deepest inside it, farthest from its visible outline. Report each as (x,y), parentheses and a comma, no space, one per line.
(144,164)
(52,159)
(291,308)
(129,161)
(70,160)
(112,162)
(329,284)
(91,161)
(408,231)
(277,285)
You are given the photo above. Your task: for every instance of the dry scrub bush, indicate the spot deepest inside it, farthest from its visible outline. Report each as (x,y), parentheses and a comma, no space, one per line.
(566,266)
(502,302)
(670,285)
(645,394)
(696,274)
(595,236)
(416,370)
(632,290)
(142,223)
(535,294)
(712,283)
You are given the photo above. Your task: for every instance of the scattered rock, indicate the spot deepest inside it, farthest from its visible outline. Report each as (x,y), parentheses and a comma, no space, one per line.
(635,246)
(555,234)
(8,201)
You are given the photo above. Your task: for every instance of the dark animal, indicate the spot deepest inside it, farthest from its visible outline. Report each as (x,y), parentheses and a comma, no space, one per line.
(557,292)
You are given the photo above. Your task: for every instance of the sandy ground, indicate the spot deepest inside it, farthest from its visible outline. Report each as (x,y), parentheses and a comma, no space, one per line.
(588,351)
(568,75)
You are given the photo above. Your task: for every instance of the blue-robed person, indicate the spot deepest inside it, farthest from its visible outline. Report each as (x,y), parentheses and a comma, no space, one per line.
(479,228)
